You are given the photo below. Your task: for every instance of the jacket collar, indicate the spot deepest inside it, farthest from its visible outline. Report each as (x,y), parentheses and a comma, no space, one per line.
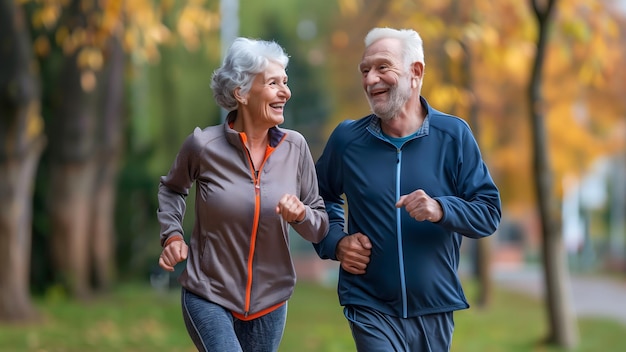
(375,122)
(276,134)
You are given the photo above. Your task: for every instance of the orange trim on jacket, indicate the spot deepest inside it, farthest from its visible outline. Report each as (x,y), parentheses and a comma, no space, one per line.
(255,226)
(258,314)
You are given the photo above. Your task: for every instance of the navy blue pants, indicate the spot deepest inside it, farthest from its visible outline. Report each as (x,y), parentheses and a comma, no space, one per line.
(374,331)
(213,328)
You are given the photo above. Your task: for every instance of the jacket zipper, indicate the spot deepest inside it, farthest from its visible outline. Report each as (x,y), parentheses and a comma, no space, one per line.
(255,226)
(399,232)
(256,176)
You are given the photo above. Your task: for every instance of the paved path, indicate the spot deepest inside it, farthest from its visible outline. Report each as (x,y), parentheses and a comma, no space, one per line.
(592,296)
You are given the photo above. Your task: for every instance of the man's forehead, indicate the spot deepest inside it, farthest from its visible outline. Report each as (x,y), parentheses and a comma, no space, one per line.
(383,48)
(379,56)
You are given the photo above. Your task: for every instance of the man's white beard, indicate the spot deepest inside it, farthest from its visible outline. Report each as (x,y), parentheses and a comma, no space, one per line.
(398,96)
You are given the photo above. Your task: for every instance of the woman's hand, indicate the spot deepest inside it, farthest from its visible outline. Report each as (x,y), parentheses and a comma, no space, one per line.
(172,254)
(291,208)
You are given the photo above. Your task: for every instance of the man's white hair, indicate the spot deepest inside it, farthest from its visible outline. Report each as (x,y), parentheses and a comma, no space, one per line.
(412,45)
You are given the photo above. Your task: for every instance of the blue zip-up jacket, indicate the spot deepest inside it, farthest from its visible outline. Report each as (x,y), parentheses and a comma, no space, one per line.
(413,264)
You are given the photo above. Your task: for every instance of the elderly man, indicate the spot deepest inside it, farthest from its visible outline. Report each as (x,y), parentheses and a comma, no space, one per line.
(415,184)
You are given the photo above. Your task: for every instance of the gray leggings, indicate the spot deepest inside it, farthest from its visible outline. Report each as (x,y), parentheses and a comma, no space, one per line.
(213,328)
(374,331)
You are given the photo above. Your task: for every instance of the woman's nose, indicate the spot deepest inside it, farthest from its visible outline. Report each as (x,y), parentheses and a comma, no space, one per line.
(285,91)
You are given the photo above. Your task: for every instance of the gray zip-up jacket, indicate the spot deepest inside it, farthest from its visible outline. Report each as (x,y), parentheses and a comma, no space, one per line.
(239,253)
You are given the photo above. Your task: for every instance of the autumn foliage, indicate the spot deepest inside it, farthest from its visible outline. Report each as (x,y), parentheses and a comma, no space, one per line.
(493,41)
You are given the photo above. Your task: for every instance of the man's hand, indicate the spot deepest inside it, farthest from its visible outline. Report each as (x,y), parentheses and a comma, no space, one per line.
(421,206)
(354,252)
(172,254)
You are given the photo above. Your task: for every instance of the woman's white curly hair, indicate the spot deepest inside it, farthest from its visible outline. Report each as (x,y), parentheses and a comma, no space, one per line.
(243,61)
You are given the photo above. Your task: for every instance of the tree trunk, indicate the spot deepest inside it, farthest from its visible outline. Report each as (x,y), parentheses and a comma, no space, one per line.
(21,144)
(562,323)
(73,166)
(86,142)
(482,271)
(110,147)
(71,195)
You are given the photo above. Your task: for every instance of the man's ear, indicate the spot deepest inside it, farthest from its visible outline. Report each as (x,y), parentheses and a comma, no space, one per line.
(417,72)
(418,69)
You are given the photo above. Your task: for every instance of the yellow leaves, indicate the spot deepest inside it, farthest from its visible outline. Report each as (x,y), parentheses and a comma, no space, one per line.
(489,36)
(453,49)
(429,27)
(445,96)
(90,58)
(584,63)
(70,40)
(144,30)
(612,29)
(111,19)
(34,121)
(47,15)
(349,7)
(193,21)
(88,80)
(471,32)
(577,29)
(41,46)
(570,143)
(590,75)
(138,23)
(516,61)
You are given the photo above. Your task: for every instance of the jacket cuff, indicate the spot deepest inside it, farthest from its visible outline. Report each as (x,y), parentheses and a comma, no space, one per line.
(173,238)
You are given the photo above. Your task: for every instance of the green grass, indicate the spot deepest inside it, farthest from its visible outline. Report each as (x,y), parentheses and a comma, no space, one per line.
(136,318)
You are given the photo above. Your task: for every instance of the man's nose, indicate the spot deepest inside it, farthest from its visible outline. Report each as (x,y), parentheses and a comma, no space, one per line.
(371,78)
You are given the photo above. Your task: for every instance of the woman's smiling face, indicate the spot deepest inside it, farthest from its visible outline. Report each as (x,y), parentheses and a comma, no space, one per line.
(268,94)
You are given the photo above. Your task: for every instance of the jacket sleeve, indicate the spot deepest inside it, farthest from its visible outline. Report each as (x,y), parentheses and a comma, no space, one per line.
(476,210)
(330,177)
(315,224)
(174,189)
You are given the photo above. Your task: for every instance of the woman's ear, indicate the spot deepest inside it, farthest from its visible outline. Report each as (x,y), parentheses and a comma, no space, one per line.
(241,99)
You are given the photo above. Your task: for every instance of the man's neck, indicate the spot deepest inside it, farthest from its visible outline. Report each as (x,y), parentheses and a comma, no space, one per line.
(408,121)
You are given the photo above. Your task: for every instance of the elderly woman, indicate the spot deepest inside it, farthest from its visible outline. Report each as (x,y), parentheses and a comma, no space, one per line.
(253,181)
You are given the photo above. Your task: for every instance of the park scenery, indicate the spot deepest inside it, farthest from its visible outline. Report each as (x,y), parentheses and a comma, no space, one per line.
(96,98)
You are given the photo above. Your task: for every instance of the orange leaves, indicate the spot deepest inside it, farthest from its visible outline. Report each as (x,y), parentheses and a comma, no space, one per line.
(41,46)
(339,39)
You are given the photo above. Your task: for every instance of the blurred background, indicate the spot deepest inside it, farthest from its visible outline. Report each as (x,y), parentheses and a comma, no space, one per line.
(96,97)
